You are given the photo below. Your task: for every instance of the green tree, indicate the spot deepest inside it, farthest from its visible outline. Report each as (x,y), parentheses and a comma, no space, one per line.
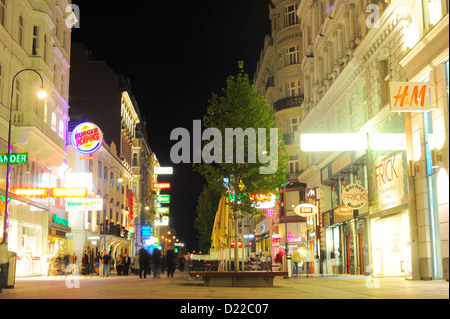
(207,205)
(241,106)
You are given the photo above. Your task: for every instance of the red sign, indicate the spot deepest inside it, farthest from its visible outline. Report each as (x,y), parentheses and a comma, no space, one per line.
(161,185)
(131,206)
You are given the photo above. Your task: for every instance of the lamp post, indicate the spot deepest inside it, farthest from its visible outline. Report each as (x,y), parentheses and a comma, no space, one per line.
(41,95)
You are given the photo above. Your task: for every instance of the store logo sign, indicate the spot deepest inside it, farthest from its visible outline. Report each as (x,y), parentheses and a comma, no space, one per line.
(410,96)
(87,137)
(354,196)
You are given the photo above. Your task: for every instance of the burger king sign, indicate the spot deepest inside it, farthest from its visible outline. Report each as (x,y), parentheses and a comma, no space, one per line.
(87,137)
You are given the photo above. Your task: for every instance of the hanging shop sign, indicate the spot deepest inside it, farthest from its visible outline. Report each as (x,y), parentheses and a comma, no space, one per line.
(163,199)
(84,204)
(162,170)
(162,210)
(146,232)
(306,210)
(31,192)
(60,221)
(164,221)
(14,158)
(131,204)
(87,137)
(354,196)
(161,185)
(69,192)
(410,96)
(342,213)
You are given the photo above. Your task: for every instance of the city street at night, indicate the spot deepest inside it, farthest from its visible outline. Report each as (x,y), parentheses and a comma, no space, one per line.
(259,153)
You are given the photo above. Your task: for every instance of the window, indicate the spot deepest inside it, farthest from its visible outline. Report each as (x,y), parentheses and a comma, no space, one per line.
(91,165)
(45,47)
(53,121)
(294,88)
(293,167)
(99,169)
(292,55)
(294,124)
(17,94)
(3,12)
(112,178)
(35,40)
(135,159)
(105,171)
(45,111)
(61,128)
(20,35)
(385,77)
(291,15)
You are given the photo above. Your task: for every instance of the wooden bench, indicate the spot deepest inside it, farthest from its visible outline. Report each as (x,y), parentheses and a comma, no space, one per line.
(238,279)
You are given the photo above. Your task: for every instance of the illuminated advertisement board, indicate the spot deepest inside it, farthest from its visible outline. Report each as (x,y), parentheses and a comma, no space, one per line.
(84,204)
(69,192)
(87,137)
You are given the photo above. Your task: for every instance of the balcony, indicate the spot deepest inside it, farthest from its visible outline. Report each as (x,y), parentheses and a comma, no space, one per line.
(289,102)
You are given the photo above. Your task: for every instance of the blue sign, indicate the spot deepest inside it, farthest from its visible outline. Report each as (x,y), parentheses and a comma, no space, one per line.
(146,232)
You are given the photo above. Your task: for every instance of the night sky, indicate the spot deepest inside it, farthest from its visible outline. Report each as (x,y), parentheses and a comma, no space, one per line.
(176,54)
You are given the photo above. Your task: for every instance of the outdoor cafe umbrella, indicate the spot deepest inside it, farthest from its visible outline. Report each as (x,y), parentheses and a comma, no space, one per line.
(220,230)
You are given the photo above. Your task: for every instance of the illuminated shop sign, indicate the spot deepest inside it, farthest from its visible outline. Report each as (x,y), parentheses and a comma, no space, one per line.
(162,210)
(60,221)
(164,221)
(354,196)
(87,137)
(146,232)
(131,203)
(162,170)
(410,96)
(31,192)
(84,204)
(14,158)
(69,192)
(163,199)
(161,185)
(352,142)
(390,181)
(306,209)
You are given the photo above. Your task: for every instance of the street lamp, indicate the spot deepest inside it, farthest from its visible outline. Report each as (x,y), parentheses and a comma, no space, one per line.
(41,94)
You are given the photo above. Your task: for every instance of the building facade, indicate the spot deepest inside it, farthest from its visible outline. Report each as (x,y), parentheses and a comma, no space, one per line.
(34,35)
(353,52)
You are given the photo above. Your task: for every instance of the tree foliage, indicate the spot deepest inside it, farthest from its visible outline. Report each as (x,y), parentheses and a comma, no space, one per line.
(240,106)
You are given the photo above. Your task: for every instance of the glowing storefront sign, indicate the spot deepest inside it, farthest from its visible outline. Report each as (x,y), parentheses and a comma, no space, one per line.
(161,185)
(352,142)
(69,192)
(162,170)
(390,184)
(164,221)
(306,209)
(14,158)
(163,199)
(85,204)
(162,210)
(31,192)
(354,196)
(87,137)
(60,221)
(410,96)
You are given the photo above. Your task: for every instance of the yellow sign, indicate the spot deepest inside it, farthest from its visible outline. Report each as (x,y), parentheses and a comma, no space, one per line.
(69,192)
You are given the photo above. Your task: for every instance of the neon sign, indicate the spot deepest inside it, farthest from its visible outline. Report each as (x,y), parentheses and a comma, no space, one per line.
(14,158)
(69,192)
(87,137)
(161,185)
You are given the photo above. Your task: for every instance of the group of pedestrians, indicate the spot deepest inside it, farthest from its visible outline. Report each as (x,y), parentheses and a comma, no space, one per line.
(146,263)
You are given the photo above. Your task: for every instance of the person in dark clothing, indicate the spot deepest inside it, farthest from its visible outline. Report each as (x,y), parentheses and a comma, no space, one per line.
(171,261)
(144,261)
(126,264)
(156,262)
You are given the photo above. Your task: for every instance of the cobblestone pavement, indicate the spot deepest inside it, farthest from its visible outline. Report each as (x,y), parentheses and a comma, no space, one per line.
(132,287)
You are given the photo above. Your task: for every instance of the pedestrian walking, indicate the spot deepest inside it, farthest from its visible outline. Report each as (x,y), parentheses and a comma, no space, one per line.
(144,261)
(126,264)
(136,265)
(73,262)
(296,258)
(171,262)
(307,260)
(119,265)
(105,260)
(156,257)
